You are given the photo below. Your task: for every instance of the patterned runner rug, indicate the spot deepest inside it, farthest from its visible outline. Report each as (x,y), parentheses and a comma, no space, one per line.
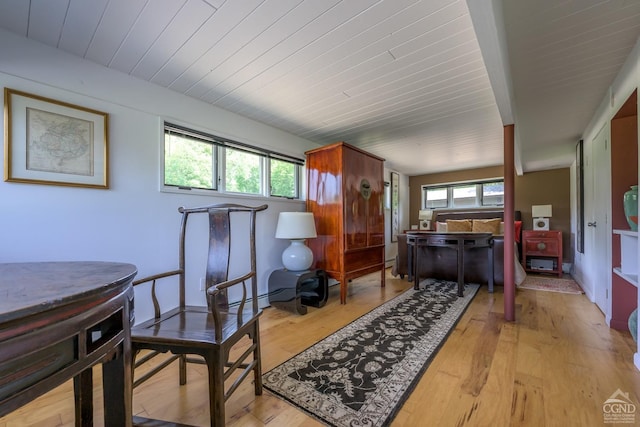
(362,374)
(551,284)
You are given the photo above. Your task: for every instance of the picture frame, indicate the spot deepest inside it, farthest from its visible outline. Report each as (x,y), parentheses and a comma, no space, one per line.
(54,143)
(395,206)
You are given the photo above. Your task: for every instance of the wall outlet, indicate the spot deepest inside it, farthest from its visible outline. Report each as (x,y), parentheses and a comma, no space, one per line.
(202,284)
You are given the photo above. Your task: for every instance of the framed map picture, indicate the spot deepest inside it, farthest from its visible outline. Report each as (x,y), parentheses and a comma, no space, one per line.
(53,142)
(395,206)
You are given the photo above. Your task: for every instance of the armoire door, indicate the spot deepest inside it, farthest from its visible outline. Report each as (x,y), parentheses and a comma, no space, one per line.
(364,221)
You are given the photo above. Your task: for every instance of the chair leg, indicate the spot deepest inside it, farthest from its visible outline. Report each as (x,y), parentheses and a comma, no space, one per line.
(215,365)
(182,367)
(257,369)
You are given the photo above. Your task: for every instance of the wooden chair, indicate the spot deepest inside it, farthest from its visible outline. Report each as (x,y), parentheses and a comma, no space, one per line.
(207,331)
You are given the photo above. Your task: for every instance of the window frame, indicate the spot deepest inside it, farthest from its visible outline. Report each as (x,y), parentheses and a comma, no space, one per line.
(191,135)
(297,176)
(479,202)
(220,144)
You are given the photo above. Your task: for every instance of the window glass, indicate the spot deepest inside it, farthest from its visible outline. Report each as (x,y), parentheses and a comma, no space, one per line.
(464,196)
(493,193)
(242,171)
(283,178)
(437,197)
(188,162)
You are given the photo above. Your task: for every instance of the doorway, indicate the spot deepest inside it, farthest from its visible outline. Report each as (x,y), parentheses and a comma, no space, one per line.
(598,226)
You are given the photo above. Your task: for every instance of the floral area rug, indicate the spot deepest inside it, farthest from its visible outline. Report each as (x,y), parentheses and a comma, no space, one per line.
(362,374)
(551,284)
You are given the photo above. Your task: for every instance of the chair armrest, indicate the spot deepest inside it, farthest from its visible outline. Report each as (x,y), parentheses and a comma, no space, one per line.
(214,289)
(152,279)
(156,276)
(219,287)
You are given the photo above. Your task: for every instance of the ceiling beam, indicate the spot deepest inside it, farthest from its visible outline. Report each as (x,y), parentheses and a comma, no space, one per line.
(488,24)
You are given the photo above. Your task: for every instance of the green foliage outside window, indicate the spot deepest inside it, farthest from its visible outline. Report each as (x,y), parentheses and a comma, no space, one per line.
(283,178)
(242,172)
(188,162)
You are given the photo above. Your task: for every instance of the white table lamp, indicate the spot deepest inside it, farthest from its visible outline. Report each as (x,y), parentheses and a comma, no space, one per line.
(424,217)
(541,215)
(296,226)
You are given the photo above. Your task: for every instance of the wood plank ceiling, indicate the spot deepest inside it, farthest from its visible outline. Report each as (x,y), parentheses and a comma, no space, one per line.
(404,79)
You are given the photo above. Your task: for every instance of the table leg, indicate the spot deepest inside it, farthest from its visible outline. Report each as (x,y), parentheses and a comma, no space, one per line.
(460,267)
(414,268)
(490,264)
(409,262)
(117,383)
(83,397)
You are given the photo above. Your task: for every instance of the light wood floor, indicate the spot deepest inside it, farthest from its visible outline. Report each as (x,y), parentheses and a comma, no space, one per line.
(554,366)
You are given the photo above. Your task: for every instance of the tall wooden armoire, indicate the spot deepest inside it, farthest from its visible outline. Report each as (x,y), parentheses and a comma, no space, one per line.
(345,192)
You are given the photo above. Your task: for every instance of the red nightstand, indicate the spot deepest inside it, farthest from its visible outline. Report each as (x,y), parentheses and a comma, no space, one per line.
(542,251)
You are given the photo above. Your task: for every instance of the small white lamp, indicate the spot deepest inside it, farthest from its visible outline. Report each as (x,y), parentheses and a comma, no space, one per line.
(541,215)
(296,226)
(424,217)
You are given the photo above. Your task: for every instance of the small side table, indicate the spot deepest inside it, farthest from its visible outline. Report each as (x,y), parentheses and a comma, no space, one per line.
(294,290)
(542,251)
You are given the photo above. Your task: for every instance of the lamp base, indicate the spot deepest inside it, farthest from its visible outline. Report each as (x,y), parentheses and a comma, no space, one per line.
(297,257)
(541,224)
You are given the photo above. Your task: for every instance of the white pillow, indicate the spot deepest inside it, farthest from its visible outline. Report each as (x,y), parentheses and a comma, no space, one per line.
(441,227)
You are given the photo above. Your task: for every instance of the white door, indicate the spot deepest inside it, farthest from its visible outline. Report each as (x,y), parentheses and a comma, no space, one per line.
(598,224)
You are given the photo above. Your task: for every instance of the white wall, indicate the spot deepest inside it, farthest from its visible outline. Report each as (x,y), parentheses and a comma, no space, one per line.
(132,221)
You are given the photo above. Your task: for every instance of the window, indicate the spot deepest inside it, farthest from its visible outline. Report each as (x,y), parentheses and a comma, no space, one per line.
(463,195)
(195,160)
(242,171)
(284,178)
(436,197)
(189,162)
(493,193)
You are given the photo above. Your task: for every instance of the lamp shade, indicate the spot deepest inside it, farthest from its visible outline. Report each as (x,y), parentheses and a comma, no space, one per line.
(541,211)
(295,225)
(425,214)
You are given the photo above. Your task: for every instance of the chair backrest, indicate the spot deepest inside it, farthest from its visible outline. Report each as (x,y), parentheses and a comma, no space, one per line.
(218,258)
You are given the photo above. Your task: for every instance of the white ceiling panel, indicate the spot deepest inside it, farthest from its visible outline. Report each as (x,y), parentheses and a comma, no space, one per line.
(46,18)
(252,26)
(14,16)
(285,28)
(178,31)
(116,23)
(147,31)
(337,34)
(404,79)
(180,72)
(80,25)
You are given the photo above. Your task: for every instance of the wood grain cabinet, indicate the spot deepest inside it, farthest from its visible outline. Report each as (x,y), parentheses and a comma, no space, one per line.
(542,251)
(345,192)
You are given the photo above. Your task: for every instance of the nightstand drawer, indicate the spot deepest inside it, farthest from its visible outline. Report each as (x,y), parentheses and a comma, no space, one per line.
(543,247)
(540,234)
